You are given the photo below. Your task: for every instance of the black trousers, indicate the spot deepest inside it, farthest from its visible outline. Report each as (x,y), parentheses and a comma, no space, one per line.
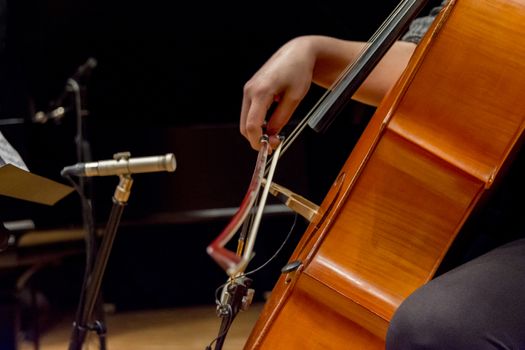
(478,305)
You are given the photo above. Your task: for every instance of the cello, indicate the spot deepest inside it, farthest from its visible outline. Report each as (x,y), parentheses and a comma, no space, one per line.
(433,149)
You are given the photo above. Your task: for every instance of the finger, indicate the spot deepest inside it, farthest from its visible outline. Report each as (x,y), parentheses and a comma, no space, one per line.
(245,107)
(274,141)
(255,119)
(282,113)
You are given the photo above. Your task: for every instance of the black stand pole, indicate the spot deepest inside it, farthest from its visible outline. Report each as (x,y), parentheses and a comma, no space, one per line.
(91,294)
(83,152)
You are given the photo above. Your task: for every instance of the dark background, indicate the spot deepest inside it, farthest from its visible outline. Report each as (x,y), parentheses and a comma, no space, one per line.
(169,79)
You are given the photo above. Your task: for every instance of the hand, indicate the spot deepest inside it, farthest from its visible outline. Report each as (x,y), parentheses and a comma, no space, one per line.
(284,80)
(286,77)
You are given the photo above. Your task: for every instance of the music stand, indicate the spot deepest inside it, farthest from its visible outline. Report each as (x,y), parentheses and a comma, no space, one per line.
(21,184)
(24,185)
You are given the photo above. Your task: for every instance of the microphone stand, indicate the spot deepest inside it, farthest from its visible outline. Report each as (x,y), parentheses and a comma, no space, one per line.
(236,296)
(83,153)
(91,294)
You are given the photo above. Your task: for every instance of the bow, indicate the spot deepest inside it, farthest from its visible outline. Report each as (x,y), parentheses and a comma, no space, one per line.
(235,263)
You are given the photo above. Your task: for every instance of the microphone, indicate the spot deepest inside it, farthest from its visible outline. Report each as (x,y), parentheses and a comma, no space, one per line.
(122,166)
(59,111)
(84,69)
(55,114)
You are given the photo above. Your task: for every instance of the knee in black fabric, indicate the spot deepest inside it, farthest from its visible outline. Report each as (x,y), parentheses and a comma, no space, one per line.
(414,325)
(478,305)
(436,316)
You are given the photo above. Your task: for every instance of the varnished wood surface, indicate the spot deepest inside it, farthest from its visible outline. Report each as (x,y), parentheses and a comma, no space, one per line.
(433,147)
(185,328)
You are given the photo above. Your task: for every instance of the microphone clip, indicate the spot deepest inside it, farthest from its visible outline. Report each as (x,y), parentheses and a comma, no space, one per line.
(122,156)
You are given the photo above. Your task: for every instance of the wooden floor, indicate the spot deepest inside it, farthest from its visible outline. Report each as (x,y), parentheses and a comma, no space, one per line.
(191,328)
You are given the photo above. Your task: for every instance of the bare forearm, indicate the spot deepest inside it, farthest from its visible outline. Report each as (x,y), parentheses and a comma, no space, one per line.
(287,76)
(334,55)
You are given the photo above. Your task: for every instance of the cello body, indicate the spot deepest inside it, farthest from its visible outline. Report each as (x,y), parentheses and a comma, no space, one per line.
(433,148)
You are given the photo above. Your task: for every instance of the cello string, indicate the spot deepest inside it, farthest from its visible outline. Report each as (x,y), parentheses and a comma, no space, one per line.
(278,249)
(329,92)
(340,78)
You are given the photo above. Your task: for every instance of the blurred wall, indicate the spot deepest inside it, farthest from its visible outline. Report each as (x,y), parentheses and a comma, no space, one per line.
(169,79)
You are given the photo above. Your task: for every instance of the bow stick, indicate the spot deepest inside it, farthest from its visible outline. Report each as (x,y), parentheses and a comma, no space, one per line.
(235,263)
